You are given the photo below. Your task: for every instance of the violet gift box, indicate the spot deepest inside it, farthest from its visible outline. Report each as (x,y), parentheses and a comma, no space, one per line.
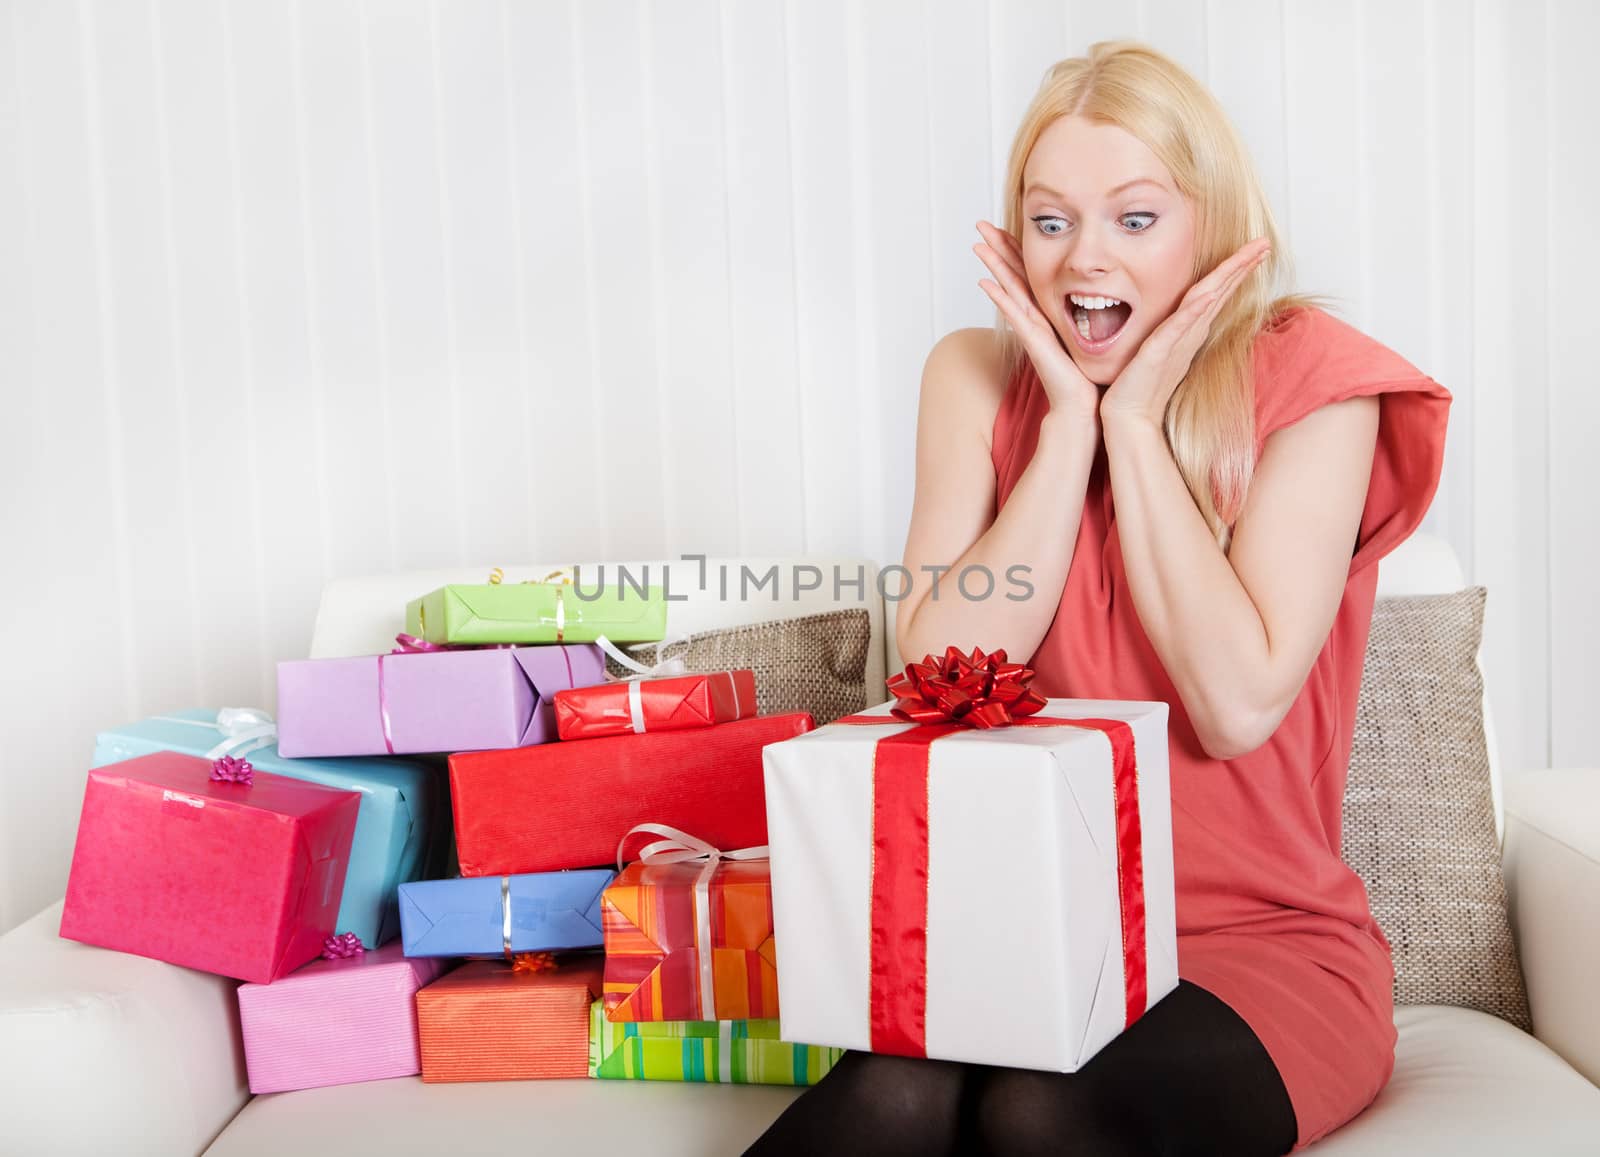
(335,1022)
(428,701)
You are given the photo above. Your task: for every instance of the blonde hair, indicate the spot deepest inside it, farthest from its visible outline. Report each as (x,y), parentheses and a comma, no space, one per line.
(1210,421)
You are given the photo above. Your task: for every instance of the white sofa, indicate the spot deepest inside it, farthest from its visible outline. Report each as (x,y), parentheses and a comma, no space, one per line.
(102,1053)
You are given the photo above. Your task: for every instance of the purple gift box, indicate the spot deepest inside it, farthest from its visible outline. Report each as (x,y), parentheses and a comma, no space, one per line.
(428,701)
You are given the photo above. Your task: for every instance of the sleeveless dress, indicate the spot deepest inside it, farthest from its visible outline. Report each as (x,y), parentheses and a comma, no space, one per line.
(1270,919)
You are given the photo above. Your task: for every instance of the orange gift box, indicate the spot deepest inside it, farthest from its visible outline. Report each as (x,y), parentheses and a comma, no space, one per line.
(655,921)
(488,1021)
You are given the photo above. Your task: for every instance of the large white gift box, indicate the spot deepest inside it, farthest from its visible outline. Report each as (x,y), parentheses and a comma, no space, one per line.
(1000,896)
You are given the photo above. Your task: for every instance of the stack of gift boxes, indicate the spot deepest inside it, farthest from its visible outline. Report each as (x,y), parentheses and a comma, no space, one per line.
(976,873)
(309,857)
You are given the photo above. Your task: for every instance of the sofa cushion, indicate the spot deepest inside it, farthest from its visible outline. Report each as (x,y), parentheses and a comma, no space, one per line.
(1465,1084)
(103,1052)
(1419,821)
(815,663)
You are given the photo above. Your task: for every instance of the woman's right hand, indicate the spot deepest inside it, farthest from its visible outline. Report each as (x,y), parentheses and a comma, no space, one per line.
(1068,390)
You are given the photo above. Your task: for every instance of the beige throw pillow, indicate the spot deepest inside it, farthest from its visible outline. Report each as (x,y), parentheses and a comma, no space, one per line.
(1418,813)
(815,663)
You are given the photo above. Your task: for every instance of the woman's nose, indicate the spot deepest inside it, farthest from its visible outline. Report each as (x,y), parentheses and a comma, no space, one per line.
(1090,253)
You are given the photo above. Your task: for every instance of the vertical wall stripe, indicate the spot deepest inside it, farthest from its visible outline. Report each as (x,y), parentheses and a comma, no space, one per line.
(652,177)
(111,385)
(602,494)
(875,541)
(1284,213)
(1363,190)
(175,335)
(451,323)
(319,388)
(1551,119)
(266,680)
(803,372)
(519,271)
(928,138)
(380,280)
(729,166)
(997,162)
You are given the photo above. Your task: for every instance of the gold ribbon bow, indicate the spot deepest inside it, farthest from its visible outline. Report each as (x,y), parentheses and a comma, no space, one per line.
(497,576)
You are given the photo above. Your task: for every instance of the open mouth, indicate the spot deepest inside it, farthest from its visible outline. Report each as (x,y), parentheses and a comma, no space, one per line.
(1098,320)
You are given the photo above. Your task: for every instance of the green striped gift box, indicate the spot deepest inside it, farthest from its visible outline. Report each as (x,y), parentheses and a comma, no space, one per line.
(740,1052)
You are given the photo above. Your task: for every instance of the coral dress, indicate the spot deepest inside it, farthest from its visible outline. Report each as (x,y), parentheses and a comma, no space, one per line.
(1270,919)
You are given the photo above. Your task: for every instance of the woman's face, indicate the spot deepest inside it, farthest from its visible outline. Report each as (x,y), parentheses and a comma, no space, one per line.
(1103,222)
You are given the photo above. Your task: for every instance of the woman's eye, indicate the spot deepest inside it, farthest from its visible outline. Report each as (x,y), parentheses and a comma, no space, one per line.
(1050,226)
(1137,222)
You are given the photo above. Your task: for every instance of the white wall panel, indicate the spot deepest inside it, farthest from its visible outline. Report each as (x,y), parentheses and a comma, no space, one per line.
(1445,199)
(1323,214)
(894,45)
(551,141)
(67,606)
(288,422)
(359,456)
(1572,241)
(405,224)
(156,469)
(291,291)
(622,303)
(1247,62)
(689,279)
(830,325)
(1510,443)
(761,277)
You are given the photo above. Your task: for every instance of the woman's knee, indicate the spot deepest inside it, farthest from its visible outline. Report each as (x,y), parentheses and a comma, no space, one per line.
(1019,1112)
(907,1094)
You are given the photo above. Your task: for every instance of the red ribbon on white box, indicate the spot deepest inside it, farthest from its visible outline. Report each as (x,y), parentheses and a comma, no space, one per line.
(944,697)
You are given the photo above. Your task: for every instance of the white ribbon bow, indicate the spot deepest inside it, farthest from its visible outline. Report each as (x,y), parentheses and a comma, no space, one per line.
(679,847)
(243,730)
(665,669)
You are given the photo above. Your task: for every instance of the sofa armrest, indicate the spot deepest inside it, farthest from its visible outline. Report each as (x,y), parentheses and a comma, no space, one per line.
(1552,870)
(103,1052)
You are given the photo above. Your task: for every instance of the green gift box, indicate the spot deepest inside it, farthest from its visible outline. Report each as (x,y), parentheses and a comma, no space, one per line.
(736,1052)
(538,612)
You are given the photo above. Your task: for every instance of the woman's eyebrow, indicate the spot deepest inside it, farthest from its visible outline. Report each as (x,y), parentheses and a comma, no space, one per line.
(1040,188)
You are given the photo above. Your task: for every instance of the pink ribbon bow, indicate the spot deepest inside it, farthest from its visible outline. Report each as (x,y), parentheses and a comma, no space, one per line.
(231,770)
(342,947)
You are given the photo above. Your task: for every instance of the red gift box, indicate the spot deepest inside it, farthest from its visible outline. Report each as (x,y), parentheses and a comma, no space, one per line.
(568,805)
(642,705)
(240,879)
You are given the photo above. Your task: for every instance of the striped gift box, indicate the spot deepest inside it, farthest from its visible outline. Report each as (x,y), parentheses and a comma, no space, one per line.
(654,922)
(738,1052)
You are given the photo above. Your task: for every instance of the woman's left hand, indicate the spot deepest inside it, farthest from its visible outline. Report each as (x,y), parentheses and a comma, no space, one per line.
(1146,383)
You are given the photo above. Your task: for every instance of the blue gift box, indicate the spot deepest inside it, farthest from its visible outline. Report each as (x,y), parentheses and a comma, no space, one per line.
(469,916)
(401,828)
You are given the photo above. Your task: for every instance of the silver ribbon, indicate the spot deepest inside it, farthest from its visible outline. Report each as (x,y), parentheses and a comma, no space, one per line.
(243,730)
(505,916)
(679,847)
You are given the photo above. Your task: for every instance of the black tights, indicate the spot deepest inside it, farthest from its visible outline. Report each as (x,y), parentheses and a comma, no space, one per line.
(1188,1078)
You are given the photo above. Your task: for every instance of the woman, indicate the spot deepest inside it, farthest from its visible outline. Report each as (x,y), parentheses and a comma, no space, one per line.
(1200,477)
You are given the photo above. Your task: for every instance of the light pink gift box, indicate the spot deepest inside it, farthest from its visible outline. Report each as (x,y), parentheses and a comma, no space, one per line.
(336,1022)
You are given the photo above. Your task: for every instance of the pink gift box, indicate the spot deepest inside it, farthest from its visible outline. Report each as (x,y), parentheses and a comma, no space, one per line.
(336,1022)
(243,880)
